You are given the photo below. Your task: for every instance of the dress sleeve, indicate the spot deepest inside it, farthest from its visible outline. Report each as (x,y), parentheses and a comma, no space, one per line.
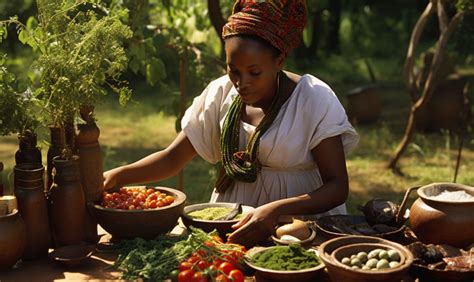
(331,120)
(201,121)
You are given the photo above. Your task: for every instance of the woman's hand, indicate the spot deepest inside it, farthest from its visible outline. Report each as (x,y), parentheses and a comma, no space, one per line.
(255,226)
(111,178)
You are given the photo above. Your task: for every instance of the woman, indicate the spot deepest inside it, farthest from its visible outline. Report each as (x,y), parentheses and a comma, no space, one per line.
(280,136)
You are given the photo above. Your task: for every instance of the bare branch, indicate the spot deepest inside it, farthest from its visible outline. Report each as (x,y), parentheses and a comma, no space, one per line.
(442,17)
(415,37)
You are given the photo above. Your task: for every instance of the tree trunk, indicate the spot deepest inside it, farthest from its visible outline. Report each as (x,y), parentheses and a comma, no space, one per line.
(334,24)
(217,20)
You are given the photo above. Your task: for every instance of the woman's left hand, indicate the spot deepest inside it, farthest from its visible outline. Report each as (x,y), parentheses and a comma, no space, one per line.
(255,226)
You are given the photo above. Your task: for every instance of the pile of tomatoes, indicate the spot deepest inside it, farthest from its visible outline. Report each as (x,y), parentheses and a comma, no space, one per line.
(136,198)
(215,261)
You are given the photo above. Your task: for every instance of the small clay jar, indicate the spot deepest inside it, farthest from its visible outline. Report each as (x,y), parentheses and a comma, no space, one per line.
(28,151)
(33,207)
(12,239)
(67,203)
(58,142)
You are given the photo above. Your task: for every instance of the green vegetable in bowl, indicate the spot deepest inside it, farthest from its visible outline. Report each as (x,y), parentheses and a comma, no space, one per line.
(212,213)
(291,257)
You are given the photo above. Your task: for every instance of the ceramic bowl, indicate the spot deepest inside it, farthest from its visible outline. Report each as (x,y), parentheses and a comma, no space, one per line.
(306,241)
(326,227)
(331,253)
(147,224)
(264,274)
(223,227)
(71,256)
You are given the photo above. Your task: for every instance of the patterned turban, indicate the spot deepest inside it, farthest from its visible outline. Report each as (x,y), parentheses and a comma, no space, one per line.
(279,22)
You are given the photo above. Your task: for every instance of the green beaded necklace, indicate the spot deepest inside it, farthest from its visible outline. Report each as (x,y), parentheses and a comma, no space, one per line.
(243,165)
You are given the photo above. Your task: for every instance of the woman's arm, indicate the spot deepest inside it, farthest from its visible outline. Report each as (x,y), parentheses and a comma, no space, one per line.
(157,166)
(329,156)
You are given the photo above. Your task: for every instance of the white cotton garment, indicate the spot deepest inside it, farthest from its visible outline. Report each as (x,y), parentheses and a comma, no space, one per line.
(311,114)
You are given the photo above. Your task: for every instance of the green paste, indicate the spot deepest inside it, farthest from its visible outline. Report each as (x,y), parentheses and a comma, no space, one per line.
(291,257)
(212,213)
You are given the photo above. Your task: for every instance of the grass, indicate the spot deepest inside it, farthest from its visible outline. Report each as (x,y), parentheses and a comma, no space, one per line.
(132,132)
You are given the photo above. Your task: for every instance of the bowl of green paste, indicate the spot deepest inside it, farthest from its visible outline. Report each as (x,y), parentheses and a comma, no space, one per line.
(285,263)
(207,216)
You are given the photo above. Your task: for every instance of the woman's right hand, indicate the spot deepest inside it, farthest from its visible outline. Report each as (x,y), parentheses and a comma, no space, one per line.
(111,178)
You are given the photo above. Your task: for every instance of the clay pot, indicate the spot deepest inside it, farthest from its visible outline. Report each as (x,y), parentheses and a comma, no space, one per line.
(438,221)
(33,207)
(28,151)
(67,203)
(12,239)
(447,108)
(58,143)
(365,105)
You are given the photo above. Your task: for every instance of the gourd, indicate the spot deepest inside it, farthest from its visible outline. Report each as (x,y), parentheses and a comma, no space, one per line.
(297,228)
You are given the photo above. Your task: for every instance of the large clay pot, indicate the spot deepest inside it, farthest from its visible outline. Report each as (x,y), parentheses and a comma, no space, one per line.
(67,203)
(90,156)
(447,108)
(28,152)
(58,143)
(12,239)
(365,105)
(33,207)
(439,221)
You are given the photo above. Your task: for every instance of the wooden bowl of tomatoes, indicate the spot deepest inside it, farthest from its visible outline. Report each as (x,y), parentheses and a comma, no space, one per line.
(138,211)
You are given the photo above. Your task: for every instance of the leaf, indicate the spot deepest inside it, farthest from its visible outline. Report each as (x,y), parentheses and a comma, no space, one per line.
(23,36)
(155,71)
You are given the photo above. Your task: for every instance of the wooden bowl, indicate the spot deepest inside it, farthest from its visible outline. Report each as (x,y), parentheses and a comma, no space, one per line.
(223,227)
(348,250)
(339,272)
(147,224)
(305,242)
(71,256)
(309,274)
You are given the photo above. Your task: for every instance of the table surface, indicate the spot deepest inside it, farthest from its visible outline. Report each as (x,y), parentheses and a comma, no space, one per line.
(98,268)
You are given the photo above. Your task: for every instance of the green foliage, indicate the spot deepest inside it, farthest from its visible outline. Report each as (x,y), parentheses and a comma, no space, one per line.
(80,54)
(16,104)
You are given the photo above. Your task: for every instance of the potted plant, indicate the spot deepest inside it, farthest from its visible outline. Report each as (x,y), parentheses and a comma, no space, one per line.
(80,58)
(17,115)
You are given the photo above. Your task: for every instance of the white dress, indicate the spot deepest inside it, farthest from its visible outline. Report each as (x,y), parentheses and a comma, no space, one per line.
(311,114)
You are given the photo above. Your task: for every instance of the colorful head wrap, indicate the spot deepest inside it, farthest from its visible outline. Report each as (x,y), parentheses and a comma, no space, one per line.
(279,22)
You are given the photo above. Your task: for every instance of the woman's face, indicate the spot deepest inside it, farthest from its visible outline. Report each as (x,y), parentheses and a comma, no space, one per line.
(252,68)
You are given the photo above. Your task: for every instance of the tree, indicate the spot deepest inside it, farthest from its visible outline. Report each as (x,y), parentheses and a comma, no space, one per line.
(447,27)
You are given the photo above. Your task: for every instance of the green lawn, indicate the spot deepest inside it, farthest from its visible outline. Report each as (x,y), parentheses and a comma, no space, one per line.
(132,132)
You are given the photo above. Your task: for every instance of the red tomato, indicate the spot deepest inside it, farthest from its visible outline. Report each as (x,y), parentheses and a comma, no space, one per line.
(217,262)
(202,264)
(199,277)
(193,259)
(186,275)
(222,278)
(226,267)
(185,265)
(236,276)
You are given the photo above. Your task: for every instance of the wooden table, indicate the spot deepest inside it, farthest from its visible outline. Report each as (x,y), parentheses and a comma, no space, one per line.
(99,267)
